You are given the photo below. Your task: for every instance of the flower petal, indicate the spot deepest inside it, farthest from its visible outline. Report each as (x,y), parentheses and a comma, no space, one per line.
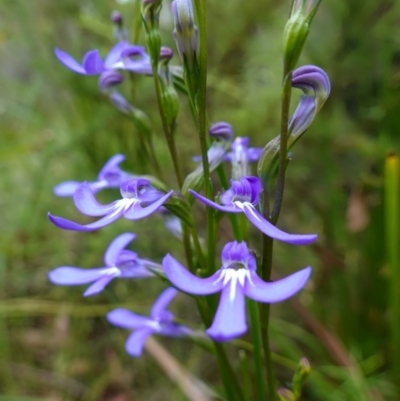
(269,229)
(276,291)
(208,202)
(162,302)
(66,188)
(181,278)
(135,342)
(230,320)
(99,285)
(92,63)
(115,248)
(69,62)
(136,212)
(115,54)
(66,275)
(87,204)
(126,319)
(254,154)
(111,164)
(70,225)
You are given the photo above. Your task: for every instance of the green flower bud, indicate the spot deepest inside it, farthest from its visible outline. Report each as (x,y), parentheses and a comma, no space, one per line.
(285,395)
(171,103)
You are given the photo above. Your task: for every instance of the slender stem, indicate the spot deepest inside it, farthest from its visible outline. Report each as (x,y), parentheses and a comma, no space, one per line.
(168,131)
(286,94)
(258,354)
(392,215)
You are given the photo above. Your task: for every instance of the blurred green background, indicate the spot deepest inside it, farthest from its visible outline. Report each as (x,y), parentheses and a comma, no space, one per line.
(55,126)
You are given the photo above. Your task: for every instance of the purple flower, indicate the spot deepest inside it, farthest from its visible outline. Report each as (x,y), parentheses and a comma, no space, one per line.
(243,197)
(135,192)
(110,176)
(160,321)
(236,279)
(121,56)
(119,262)
(241,155)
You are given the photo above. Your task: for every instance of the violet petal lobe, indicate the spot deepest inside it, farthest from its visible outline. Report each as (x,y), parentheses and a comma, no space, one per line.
(181,278)
(276,291)
(114,54)
(98,285)
(66,275)
(269,229)
(116,247)
(126,319)
(135,342)
(136,212)
(87,204)
(111,164)
(92,63)
(162,302)
(230,320)
(69,62)
(208,202)
(70,225)
(66,188)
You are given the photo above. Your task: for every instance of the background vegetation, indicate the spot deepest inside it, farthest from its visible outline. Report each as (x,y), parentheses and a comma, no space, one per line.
(55,125)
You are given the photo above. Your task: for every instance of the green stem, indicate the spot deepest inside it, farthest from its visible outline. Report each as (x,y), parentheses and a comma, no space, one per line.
(286,94)
(392,215)
(257,342)
(168,131)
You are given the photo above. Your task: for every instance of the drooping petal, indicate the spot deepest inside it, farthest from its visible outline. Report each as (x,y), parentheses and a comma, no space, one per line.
(66,275)
(98,285)
(254,154)
(208,202)
(269,229)
(181,278)
(126,319)
(69,62)
(111,164)
(70,225)
(66,188)
(87,204)
(276,291)
(135,342)
(162,302)
(230,320)
(115,248)
(92,63)
(136,212)
(115,54)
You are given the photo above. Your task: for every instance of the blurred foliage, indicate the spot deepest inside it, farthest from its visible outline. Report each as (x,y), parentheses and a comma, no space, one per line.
(55,125)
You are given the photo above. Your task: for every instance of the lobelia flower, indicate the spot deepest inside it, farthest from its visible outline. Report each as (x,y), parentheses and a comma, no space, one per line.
(122,56)
(236,279)
(243,197)
(241,155)
(110,176)
(161,321)
(135,192)
(119,262)
(222,135)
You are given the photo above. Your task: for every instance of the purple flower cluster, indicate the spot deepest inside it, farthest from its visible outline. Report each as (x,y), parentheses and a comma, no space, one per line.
(140,197)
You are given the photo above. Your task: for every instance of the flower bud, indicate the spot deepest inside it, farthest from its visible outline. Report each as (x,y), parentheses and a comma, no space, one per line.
(285,395)
(171,103)
(166,54)
(300,376)
(296,30)
(185,32)
(116,18)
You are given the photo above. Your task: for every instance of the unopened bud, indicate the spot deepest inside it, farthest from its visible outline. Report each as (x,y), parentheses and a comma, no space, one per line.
(185,32)
(171,103)
(116,18)
(296,30)
(300,376)
(166,54)
(285,395)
